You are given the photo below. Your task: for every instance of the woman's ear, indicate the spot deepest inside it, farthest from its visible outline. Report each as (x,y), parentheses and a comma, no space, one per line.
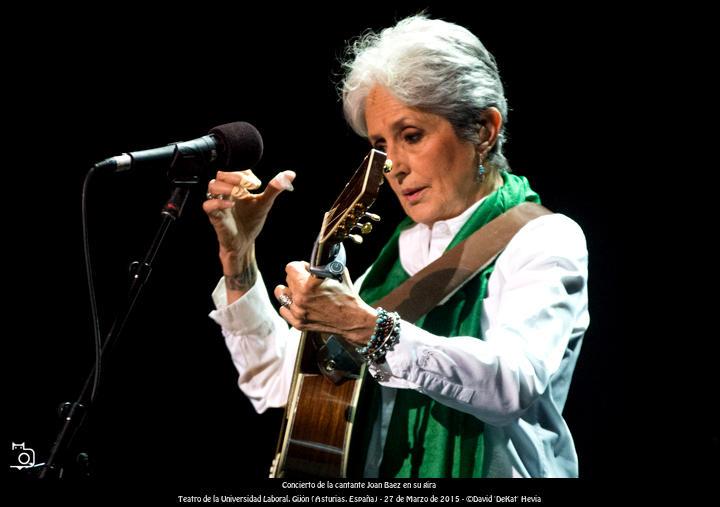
(491,122)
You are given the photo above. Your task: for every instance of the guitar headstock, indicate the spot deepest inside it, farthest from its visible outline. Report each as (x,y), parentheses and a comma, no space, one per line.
(354,201)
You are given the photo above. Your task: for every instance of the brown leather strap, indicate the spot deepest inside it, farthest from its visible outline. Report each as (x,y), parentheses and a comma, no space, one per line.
(437,281)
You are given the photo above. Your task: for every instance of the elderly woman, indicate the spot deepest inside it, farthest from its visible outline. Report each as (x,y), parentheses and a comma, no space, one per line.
(476,388)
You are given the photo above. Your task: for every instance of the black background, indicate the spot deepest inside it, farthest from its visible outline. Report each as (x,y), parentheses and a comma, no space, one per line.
(88,85)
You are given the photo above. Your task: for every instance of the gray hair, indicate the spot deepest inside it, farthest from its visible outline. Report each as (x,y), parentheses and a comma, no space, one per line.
(436,66)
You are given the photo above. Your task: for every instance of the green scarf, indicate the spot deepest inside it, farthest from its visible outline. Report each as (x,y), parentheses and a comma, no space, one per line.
(425,437)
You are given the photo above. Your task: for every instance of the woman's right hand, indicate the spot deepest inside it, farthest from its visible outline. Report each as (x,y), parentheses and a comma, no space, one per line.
(237,215)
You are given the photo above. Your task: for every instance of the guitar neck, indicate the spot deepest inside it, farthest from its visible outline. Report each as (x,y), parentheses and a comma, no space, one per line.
(315,437)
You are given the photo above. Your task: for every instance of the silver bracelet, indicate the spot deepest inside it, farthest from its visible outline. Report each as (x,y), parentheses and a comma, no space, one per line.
(384,337)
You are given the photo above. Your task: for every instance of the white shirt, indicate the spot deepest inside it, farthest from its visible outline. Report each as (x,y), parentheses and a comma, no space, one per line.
(515,379)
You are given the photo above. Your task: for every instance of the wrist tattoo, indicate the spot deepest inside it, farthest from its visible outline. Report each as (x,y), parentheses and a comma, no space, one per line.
(241,281)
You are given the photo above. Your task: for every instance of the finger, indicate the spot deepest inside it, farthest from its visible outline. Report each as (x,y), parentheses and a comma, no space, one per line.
(296,273)
(302,323)
(281,181)
(219,187)
(297,317)
(299,279)
(286,314)
(244,179)
(215,209)
(280,290)
(249,181)
(238,192)
(312,281)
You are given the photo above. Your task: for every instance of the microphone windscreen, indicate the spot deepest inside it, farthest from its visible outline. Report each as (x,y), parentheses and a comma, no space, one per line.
(241,145)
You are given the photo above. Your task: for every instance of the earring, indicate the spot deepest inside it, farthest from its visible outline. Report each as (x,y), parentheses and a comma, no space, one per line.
(481,172)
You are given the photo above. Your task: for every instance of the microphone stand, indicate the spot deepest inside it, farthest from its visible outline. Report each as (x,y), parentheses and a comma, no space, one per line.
(183,173)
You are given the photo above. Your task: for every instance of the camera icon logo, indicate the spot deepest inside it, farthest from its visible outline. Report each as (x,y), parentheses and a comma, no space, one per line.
(25,456)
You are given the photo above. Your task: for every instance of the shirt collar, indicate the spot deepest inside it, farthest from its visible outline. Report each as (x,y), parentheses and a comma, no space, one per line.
(452,226)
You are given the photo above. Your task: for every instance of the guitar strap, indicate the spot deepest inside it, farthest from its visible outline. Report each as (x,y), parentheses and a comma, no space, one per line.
(439,280)
(434,284)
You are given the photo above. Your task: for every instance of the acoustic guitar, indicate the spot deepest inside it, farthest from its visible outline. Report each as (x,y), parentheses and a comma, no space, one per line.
(317,426)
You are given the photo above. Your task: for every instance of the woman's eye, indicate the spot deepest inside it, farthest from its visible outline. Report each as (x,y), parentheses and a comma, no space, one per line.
(413,138)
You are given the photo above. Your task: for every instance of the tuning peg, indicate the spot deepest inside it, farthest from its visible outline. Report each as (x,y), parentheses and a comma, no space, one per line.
(356,238)
(388,166)
(373,217)
(365,228)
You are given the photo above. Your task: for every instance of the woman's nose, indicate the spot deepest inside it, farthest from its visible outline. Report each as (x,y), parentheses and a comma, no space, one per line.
(400,168)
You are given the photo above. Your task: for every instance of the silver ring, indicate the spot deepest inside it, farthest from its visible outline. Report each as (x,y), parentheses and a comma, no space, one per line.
(284,300)
(209,196)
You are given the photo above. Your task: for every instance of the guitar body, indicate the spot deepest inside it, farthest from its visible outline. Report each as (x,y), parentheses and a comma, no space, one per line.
(317,427)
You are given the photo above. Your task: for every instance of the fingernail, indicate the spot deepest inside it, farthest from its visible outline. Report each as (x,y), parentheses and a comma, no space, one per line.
(285,182)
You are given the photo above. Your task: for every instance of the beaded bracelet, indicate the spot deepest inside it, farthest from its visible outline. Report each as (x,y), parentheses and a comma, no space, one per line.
(384,337)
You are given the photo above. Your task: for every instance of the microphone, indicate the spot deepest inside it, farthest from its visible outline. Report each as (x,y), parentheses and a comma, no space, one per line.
(236,145)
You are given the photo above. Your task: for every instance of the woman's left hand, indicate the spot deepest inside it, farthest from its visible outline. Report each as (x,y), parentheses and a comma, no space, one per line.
(325,305)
